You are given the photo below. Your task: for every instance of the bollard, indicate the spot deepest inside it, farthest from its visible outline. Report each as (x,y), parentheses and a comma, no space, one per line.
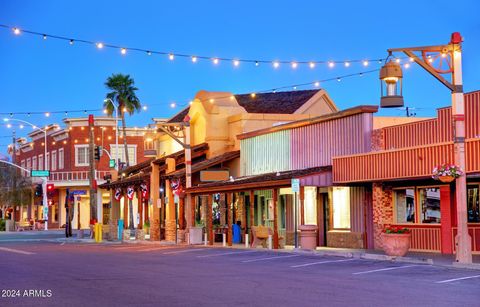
(95,232)
(269,241)
(246,240)
(224,240)
(120,230)
(205,239)
(100,232)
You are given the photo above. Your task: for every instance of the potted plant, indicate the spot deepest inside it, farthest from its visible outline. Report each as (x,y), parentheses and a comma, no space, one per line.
(447,172)
(195,233)
(146,226)
(396,240)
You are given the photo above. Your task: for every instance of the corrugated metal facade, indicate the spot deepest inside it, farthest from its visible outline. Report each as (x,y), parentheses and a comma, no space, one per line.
(315,145)
(265,153)
(306,146)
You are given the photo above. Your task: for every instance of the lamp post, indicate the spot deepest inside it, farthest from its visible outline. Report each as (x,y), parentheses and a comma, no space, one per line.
(440,60)
(44,183)
(116,130)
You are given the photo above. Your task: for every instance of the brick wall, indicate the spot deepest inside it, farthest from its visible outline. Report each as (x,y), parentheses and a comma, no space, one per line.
(382,211)
(378,140)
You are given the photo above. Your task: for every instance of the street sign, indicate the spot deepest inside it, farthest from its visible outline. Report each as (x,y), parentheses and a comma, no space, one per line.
(39,173)
(111,164)
(295,185)
(79,192)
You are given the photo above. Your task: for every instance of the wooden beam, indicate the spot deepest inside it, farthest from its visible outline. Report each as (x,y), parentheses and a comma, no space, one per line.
(252,213)
(181,213)
(194,206)
(209,214)
(230,218)
(275,219)
(140,209)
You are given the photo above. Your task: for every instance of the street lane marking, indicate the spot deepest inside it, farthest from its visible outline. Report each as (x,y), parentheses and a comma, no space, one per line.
(225,254)
(269,258)
(385,269)
(319,262)
(455,279)
(150,249)
(6,249)
(184,251)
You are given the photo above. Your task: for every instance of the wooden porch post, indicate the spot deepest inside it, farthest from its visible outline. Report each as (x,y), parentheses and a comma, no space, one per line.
(230,218)
(125,212)
(154,191)
(209,220)
(181,213)
(252,213)
(194,205)
(140,209)
(302,202)
(275,219)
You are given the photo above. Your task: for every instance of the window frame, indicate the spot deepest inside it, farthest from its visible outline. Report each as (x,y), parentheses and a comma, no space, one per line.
(34,162)
(61,158)
(77,147)
(122,150)
(331,210)
(416,202)
(53,165)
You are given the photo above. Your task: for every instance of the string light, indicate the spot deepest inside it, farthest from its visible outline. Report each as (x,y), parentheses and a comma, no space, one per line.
(412,59)
(144,108)
(316,84)
(47,114)
(365,63)
(171,56)
(211,100)
(253,95)
(397,60)
(44,37)
(347,64)
(215,61)
(406,65)
(276,64)
(173,105)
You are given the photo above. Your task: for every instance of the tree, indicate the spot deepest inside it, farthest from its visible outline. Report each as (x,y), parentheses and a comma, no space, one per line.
(123,93)
(15,189)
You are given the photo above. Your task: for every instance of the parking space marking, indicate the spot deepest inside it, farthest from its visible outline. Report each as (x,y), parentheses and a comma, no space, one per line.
(456,279)
(184,251)
(226,254)
(6,249)
(385,269)
(320,262)
(269,258)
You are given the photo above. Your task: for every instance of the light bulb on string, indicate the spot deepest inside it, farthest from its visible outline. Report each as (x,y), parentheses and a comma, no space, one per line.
(311,65)
(347,64)
(215,61)
(236,63)
(194,59)
(171,56)
(172,105)
(397,60)
(406,65)
(331,64)
(144,108)
(149,53)
(412,59)
(365,63)
(276,64)
(44,37)
(47,114)
(294,65)
(339,79)
(253,95)
(71,42)
(256,63)
(123,51)
(316,84)
(99,45)
(16,31)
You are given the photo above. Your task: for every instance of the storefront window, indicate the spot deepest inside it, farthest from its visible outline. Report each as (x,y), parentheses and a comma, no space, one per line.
(472,204)
(405,205)
(430,205)
(341,208)
(310,205)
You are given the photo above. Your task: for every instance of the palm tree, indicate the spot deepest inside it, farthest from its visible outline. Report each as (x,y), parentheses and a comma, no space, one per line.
(123,92)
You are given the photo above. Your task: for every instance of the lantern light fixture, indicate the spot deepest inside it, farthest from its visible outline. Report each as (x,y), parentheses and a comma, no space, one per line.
(391,85)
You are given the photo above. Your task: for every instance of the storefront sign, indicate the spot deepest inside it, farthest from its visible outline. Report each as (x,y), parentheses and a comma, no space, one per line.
(295,185)
(37,173)
(79,192)
(217,175)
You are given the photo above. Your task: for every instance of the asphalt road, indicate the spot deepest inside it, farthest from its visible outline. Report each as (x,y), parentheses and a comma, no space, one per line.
(73,274)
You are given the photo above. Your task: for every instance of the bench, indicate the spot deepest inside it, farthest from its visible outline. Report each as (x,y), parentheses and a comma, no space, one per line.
(260,236)
(24,225)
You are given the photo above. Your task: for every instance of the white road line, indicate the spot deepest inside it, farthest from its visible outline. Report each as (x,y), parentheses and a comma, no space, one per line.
(150,249)
(225,254)
(269,258)
(15,251)
(126,247)
(184,251)
(386,269)
(319,262)
(455,279)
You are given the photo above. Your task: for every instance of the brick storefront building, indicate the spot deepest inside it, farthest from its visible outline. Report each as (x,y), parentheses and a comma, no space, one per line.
(68,161)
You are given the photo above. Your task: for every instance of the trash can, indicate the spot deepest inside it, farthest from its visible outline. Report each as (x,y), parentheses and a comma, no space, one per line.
(120,230)
(308,236)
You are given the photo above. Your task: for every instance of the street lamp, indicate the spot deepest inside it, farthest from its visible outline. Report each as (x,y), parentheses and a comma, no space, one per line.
(391,85)
(440,60)
(116,131)
(44,184)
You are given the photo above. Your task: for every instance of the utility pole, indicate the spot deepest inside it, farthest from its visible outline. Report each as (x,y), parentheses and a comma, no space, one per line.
(14,177)
(91,174)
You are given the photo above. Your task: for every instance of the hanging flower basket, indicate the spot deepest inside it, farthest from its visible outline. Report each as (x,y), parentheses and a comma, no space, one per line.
(446,179)
(447,172)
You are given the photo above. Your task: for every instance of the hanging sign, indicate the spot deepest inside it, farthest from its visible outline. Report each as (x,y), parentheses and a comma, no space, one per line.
(295,185)
(118,193)
(130,192)
(176,186)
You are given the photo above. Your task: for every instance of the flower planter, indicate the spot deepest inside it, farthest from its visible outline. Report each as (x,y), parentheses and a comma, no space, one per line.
(396,244)
(446,179)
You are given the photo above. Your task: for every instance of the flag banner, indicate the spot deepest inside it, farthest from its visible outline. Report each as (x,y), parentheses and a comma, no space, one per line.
(118,193)
(130,192)
(144,189)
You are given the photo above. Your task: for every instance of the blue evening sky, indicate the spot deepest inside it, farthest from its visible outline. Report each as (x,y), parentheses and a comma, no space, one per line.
(51,75)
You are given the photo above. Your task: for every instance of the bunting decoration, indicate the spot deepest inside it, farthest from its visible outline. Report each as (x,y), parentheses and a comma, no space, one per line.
(144,189)
(118,193)
(176,186)
(130,192)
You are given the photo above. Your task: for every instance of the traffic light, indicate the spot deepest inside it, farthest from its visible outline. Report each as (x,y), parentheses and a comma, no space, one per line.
(98,152)
(38,190)
(50,187)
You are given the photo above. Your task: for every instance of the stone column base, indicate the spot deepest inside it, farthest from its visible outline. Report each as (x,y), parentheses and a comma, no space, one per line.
(170,228)
(155,231)
(139,234)
(181,235)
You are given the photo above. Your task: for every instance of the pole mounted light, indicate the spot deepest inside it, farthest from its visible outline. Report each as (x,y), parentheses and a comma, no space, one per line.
(391,85)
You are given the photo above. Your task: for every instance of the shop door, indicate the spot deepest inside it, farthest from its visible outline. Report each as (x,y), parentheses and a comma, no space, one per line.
(322,218)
